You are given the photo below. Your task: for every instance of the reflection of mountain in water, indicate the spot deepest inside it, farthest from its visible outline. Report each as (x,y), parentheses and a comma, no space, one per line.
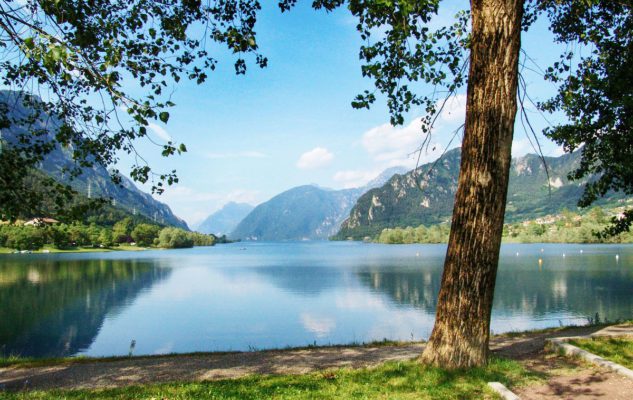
(306,281)
(521,290)
(56,308)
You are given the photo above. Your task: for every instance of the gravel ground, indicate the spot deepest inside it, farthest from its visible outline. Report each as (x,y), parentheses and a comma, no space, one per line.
(565,379)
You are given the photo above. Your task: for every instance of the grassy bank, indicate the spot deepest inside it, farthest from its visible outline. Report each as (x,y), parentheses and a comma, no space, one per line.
(394,380)
(618,350)
(51,249)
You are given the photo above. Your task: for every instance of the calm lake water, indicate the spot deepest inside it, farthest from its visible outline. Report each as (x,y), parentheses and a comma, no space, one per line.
(272,295)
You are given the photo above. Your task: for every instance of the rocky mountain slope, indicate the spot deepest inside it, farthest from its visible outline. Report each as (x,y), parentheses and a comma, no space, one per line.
(426,195)
(93,182)
(304,213)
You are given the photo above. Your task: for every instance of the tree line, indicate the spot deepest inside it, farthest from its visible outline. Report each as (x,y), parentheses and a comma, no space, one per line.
(125,231)
(567,227)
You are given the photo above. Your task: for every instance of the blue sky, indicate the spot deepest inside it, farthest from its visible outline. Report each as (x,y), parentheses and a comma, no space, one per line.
(252,137)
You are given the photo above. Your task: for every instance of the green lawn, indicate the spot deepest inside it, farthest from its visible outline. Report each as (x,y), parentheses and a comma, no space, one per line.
(618,350)
(394,380)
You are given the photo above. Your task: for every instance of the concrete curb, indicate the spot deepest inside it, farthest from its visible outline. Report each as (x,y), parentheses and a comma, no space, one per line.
(503,391)
(570,350)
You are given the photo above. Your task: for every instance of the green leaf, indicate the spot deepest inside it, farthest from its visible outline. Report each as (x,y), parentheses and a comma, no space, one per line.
(164,116)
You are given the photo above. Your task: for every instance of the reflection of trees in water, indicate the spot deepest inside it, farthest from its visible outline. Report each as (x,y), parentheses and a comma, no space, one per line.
(519,290)
(407,288)
(56,308)
(580,291)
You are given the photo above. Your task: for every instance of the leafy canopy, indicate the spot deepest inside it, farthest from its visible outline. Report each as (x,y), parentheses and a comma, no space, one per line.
(595,91)
(78,66)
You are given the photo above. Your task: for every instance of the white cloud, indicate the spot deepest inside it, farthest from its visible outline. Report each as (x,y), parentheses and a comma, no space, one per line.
(319,326)
(243,196)
(521,147)
(454,109)
(316,158)
(354,178)
(391,146)
(557,151)
(399,145)
(159,131)
(239,154)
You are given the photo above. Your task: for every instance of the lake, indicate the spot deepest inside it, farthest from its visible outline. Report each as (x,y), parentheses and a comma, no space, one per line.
(251,296)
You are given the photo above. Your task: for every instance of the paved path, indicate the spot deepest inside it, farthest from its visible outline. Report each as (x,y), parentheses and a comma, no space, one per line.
(575,380)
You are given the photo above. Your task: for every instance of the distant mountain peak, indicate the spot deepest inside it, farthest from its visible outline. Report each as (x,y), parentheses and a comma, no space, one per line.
(223,221)
(308,212)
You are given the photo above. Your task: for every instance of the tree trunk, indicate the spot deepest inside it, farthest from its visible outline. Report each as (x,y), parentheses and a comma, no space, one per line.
(462,323)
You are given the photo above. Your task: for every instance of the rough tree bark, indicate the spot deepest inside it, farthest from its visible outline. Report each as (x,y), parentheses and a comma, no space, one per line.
(462,323)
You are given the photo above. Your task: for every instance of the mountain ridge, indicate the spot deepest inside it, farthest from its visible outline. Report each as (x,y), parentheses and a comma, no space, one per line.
(93,181)
(306,212)
(425,196)
(226,219)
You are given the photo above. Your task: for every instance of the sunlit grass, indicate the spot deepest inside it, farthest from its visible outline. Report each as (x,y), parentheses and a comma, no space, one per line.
(393,380)
(618,350)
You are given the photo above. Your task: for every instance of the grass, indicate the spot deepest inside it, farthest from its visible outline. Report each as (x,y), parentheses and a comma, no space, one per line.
(618,350)
(393,380)
(52,249)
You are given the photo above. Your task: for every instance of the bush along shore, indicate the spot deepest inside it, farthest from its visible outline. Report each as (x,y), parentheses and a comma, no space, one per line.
(51,236)
(567,227)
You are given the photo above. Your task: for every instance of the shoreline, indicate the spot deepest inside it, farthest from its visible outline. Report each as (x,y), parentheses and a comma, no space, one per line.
(518,356)
(29,362)
(53,250)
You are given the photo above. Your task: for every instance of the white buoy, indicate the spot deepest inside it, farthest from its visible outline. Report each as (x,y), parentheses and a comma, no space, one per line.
(580,251)
(542,250)
(617,257)
(563,254)
(517,253)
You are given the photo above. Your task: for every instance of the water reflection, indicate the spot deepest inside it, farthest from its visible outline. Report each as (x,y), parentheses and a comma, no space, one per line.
(56,308)
(284,294)
(535,287)
(409,288)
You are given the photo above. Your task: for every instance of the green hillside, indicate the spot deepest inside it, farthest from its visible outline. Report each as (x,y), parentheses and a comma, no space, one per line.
(94,182)
(425,196)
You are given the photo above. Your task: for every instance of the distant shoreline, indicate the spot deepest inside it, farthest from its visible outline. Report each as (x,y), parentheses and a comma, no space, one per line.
(53,250)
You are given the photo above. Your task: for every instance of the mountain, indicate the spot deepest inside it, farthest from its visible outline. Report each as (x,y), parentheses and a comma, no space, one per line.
(303,213)
(426,195)
(93,182)
(225,220)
